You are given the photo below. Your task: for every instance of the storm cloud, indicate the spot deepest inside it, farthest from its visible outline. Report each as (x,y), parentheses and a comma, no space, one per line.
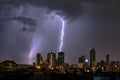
(94,24)
(70,8)
(29,23)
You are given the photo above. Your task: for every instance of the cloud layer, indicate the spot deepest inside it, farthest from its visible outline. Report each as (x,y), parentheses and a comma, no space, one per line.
(94,23)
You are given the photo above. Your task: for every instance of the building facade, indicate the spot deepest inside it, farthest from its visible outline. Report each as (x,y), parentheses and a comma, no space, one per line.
(107,59)
(60,60)
(38,59)
(51,58)
(92,57)
(81,59)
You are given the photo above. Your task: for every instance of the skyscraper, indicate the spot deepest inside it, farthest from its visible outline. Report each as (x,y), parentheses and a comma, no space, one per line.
(81,62)
(38,59)
(92,57)
(51,58)
(82,59)
(60,58)
(107,59)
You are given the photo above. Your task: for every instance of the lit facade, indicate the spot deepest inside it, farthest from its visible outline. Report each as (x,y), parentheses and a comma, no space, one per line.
(51,58)
(38,59)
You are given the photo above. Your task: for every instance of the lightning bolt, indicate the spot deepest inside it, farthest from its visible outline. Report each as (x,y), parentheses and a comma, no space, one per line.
(36,41)
(35,44)
(62,33)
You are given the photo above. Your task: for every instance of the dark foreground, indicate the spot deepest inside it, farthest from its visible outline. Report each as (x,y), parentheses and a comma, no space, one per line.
(20,75)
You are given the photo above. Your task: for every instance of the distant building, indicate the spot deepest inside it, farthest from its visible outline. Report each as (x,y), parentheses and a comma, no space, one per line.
(8,65)
(38,59)
(34,64)
(102,65)
(51,58)
(115,66)
(60,60)
(92,57)
(107,59)
(81,62)
(82,59)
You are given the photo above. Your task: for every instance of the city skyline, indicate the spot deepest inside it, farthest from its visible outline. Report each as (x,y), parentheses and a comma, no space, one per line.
(29,27)
(106,58)
(59,59)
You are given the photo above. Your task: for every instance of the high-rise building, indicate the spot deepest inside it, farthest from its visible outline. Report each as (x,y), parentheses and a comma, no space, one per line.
(81,62)
(82,59)
(51,58)
(60,60)
(92,57)
(38,59)
(107,59)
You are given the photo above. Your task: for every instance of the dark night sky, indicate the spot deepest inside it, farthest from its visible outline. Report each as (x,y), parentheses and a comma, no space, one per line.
(31,24)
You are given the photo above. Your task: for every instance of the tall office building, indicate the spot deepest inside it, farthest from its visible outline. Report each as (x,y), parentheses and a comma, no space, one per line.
(107,59)
(60,60)
(82,59)
(51,58)
(81,62)
(38,59)
(92,57)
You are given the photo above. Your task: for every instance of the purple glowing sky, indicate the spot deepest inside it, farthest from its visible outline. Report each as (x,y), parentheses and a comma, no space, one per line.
(87,23)
(36,40)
